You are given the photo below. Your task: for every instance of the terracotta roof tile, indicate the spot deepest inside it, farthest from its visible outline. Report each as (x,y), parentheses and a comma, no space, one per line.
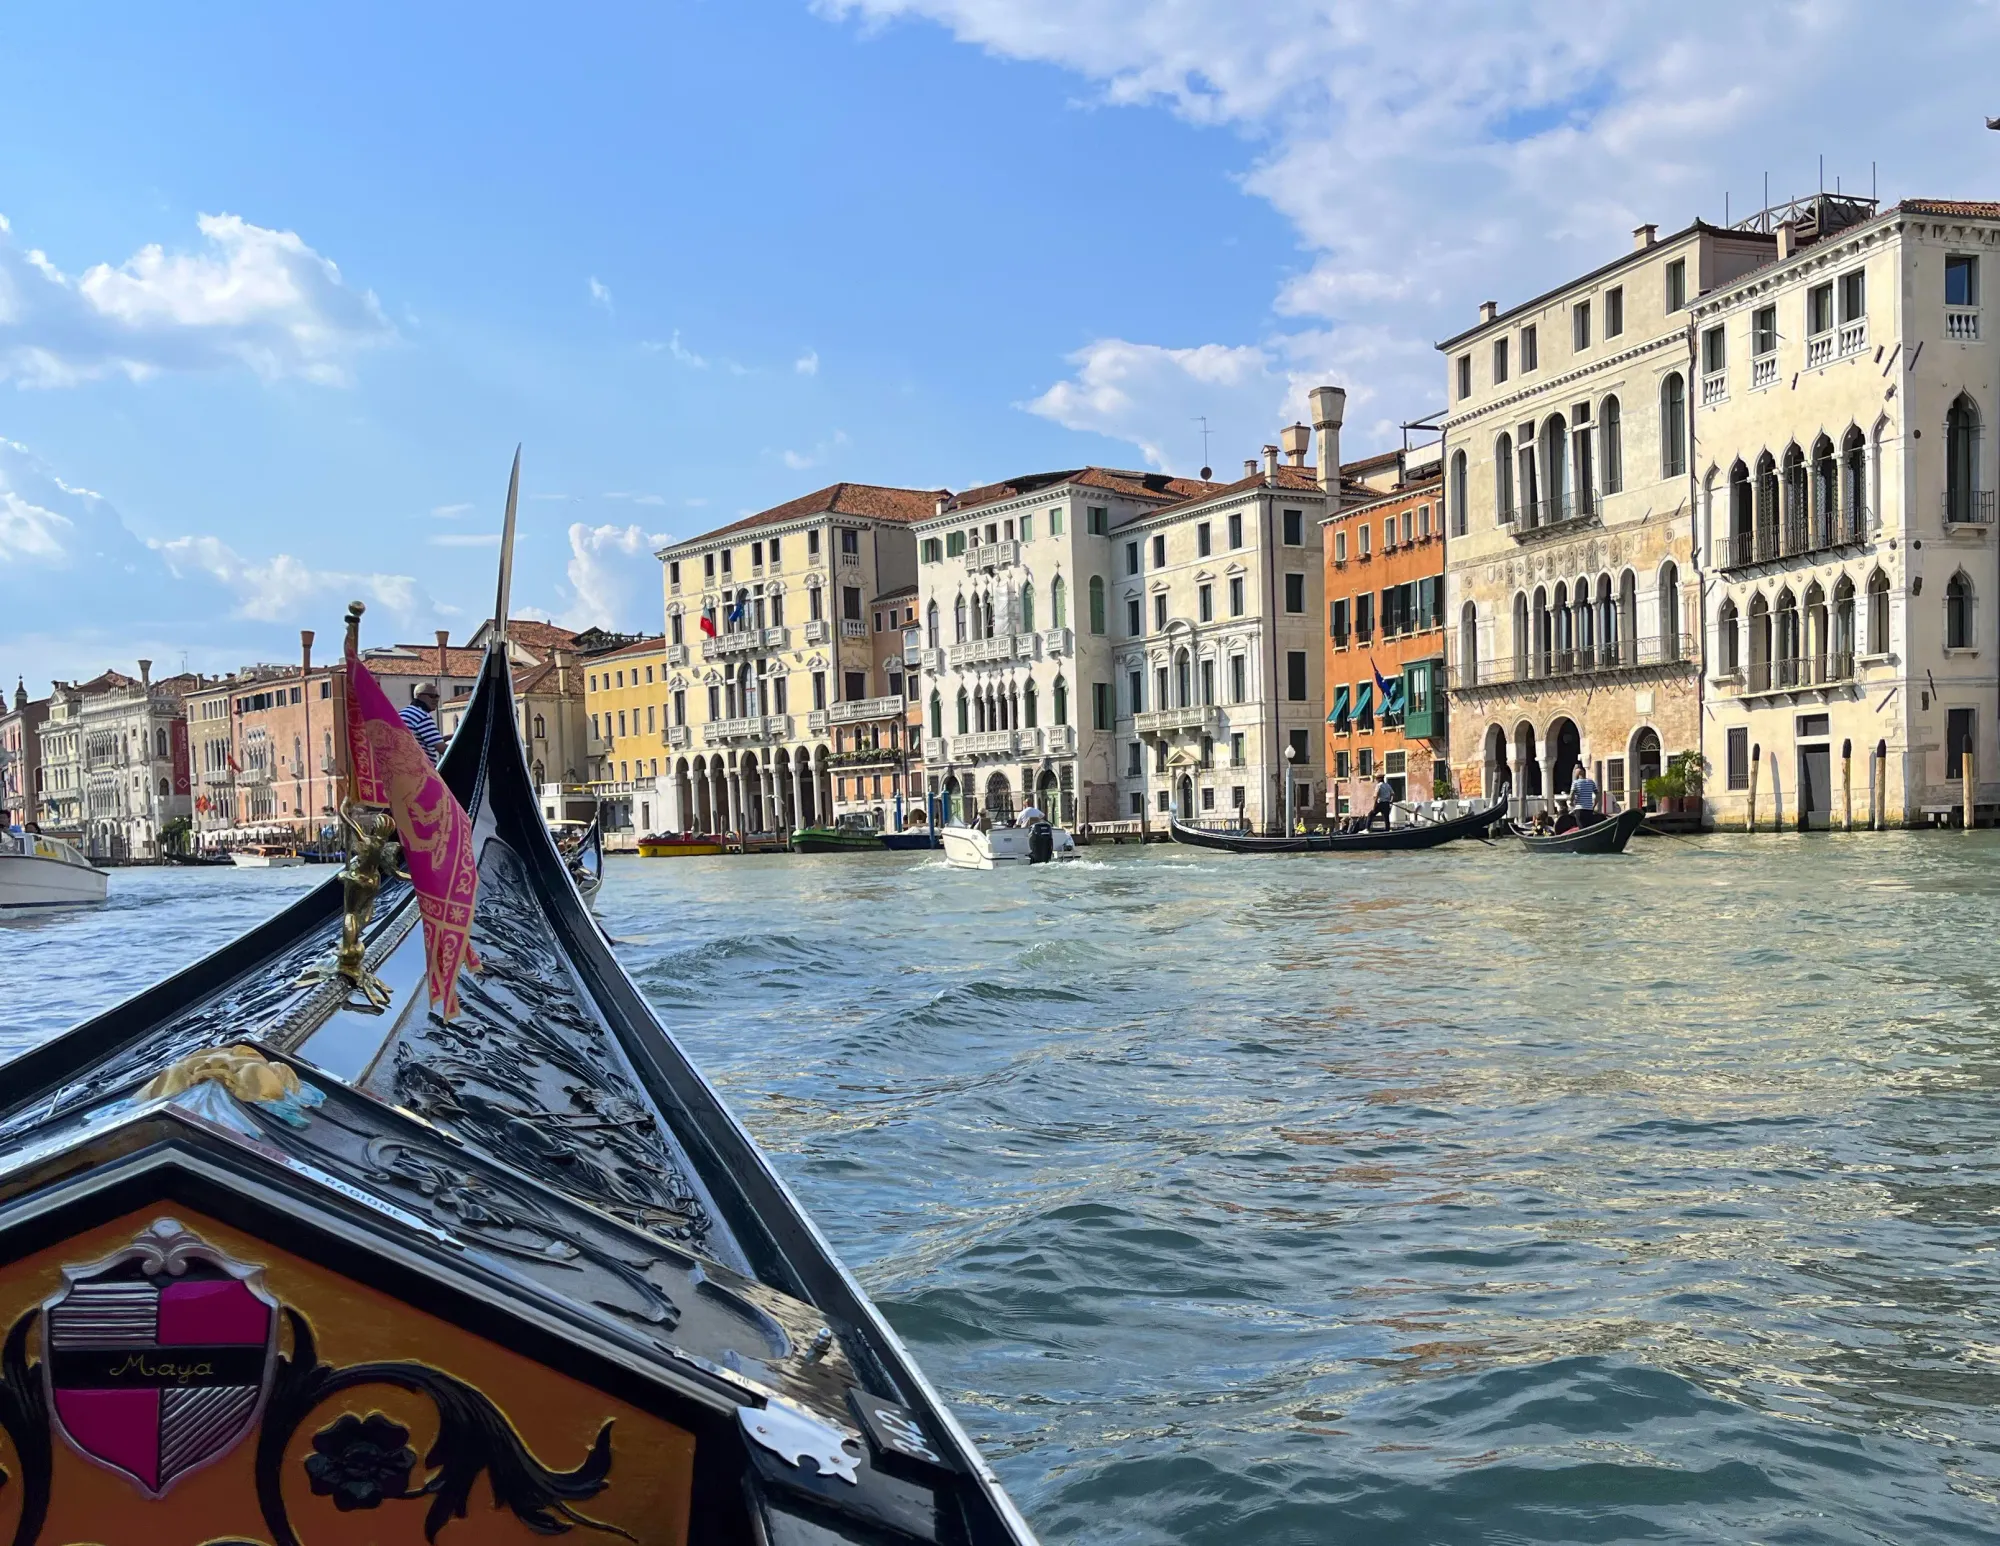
(873,500)
(1974,209)
(537,636)
(457,661)
(1117,480)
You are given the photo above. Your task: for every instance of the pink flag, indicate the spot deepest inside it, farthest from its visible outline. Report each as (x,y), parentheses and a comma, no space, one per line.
(391,769)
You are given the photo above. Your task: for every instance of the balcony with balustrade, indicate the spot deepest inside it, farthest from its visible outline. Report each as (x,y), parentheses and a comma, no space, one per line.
(1554,516)
(987,743)
(997,649)
(677,654)
(677,738)
(1193,718)
(1962,323)
(748,730)
(1802,674)
(859,710)
(1613,658)
(818,630)
(853,628)
(1058,643)
(745,641)
(1968,507)
(1798,536)
(989,556)
(1763,372)
(1714,388)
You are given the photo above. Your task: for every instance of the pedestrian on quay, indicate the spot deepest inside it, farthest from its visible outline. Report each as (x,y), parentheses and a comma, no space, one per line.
(420,714)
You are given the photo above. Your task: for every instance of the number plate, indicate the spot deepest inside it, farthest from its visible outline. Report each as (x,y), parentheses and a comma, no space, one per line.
(895,1432)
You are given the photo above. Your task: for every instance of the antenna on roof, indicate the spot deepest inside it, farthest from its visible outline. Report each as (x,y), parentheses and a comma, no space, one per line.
(1202,420)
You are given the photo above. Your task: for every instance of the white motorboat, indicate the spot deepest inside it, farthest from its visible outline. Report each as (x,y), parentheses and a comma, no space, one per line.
(266,857)
(39,872)
(968,848)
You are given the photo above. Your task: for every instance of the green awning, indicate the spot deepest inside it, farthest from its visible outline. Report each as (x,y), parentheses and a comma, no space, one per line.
(1338,718)
(1364,701)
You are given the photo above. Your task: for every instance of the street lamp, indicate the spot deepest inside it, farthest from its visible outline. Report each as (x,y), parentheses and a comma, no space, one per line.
(1291,755)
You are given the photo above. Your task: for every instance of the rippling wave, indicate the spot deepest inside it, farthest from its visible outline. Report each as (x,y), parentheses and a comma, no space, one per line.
(1450,1197)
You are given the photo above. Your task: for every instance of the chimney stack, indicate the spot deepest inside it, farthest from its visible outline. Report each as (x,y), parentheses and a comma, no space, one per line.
(1249,466)
(943,500)
(443,634)
(1788,239)
(1329,407)
(146,675)
(1271,465)
(1643,236)
(1488,310)
(305,652)
(1297,440)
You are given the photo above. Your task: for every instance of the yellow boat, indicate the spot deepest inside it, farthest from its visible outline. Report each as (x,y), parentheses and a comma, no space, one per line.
(675,845)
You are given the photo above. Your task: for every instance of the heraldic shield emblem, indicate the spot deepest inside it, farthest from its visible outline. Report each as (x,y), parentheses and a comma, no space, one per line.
(159,1357)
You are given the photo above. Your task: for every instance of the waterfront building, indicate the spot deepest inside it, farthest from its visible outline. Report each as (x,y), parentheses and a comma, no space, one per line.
(1219,669)
(1845,487)
(549,663)
(767,636)
(1015,584)
(21,758)
(1384,565)
(628,706)
(1569,591)
(114,762)
(262,751)
(877,756)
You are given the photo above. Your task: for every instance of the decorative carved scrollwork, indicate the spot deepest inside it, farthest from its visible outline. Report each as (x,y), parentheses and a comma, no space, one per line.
(24,1413)
(360,1461)
(528,1073)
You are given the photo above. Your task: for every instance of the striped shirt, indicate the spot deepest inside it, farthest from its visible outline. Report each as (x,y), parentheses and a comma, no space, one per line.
(424,728)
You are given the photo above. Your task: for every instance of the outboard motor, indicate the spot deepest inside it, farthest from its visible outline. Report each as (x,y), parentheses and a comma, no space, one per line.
(1041,843)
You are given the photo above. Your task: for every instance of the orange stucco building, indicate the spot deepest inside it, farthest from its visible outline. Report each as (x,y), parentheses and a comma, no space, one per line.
(1384,562)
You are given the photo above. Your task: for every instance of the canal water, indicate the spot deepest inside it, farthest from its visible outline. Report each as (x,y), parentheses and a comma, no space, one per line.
(1436,1198)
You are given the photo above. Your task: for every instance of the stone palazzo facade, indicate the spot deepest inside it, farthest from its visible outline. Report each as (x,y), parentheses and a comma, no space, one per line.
(1571,599)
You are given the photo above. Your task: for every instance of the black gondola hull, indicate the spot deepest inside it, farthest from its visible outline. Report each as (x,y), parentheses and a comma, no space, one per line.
(1604,837)
(1394,840)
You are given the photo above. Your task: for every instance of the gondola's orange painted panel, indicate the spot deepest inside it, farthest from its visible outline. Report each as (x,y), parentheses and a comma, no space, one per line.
(156,1364)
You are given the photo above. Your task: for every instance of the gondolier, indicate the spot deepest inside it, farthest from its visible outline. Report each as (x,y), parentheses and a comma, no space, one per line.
(1385,802)
(1583,796)
(420,714)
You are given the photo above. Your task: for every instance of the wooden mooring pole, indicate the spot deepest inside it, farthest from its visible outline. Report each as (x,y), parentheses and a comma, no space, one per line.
(1847,784)
(1971,783)
(1756,759)
(1881,802)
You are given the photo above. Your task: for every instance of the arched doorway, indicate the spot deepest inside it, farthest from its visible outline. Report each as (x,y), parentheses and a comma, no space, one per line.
(1187,798)
(1497,770)
(999,798)
(948,801)
(1565,753)
(1527,763)
(1646,760)
(1045,793)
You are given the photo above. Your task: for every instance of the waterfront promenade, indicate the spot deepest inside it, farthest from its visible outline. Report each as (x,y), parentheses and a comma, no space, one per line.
(1470,1196)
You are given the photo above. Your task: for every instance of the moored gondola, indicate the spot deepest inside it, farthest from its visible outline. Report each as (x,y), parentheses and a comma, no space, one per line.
(583,853)
(277,1246)
(1416,835)
(1608,836)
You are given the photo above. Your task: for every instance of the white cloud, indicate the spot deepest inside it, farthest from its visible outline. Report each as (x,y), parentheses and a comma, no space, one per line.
(614,579)
(638,499)
(1431,157)
(450,512)
(1154,397)
(807,364)
(600,293)
(252,298)
(799,461)
(282,587)
(677,349)
(468,539)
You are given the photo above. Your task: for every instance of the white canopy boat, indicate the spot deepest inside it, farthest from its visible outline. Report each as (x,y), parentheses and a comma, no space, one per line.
(266,856)
(968,848)
(37,871)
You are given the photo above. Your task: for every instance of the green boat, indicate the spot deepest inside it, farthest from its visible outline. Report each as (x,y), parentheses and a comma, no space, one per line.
(841,838)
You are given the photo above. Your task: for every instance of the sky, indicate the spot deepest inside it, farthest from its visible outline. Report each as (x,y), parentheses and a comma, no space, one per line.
(281,291)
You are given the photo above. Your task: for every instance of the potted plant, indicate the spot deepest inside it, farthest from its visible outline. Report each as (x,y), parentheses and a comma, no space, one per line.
(1677,790)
